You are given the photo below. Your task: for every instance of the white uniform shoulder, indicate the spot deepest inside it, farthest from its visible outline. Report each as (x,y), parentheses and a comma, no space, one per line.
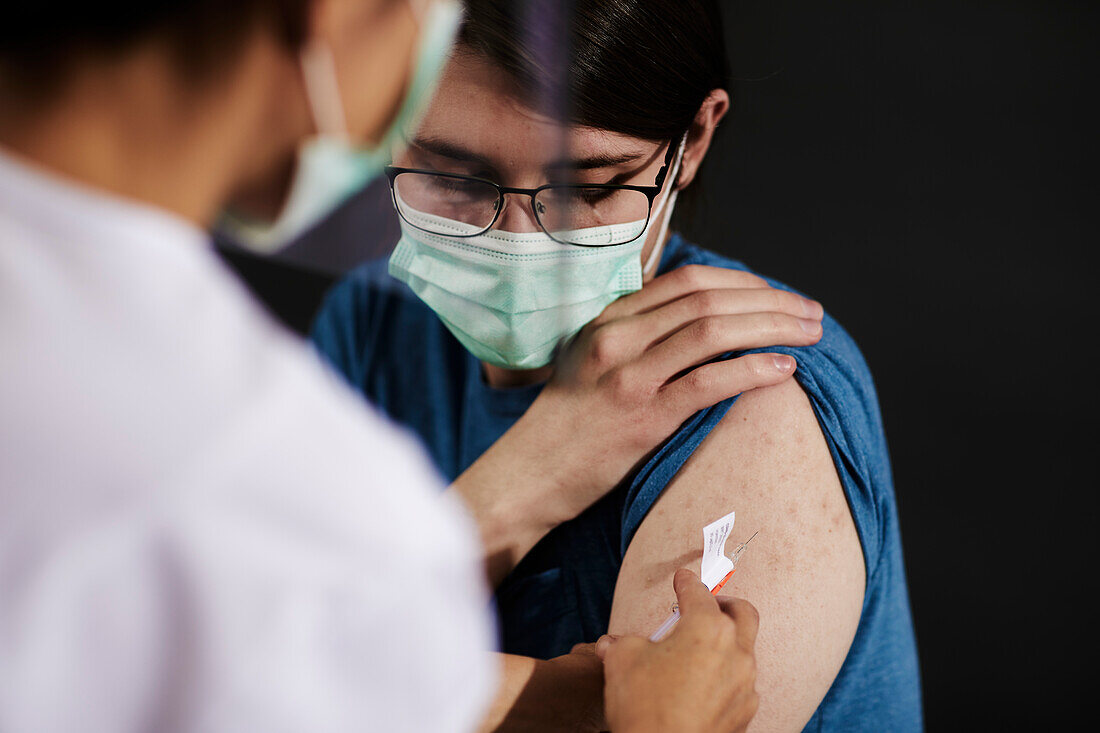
(200,529)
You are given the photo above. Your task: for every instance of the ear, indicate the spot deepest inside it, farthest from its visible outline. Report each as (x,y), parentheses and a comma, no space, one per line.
(701,132)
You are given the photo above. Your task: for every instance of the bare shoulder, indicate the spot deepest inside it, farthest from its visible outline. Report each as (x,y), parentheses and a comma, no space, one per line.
(768,461)
(771,451)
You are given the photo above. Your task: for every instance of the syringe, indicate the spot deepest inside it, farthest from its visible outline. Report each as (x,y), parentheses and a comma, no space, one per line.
(675,615)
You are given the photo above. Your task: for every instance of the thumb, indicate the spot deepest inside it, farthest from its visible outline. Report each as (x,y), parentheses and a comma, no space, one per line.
(603,644)
(692,596)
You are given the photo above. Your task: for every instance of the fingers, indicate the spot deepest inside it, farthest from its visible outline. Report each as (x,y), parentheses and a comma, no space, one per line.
(711,383)
(678,283)
(586,650)
(604,643)
(745,615)
(693,597)
(619,646)
(708,337)
(689,316)
(657,324)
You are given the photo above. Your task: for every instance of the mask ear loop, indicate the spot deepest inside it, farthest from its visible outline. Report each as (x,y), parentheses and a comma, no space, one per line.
(666,210)
(323,90)
(322,83)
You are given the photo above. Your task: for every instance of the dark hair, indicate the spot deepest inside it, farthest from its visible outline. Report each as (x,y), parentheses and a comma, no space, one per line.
(636,67)
(40,41)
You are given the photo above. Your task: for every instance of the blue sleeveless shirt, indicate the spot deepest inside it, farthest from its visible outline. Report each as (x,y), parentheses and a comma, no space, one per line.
(389,345)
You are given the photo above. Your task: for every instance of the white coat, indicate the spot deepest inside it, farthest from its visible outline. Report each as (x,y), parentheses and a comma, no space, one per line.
(200,528)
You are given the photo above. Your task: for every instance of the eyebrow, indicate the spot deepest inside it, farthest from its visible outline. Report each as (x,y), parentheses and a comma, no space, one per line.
(602,160)
(455,151)
(451,150)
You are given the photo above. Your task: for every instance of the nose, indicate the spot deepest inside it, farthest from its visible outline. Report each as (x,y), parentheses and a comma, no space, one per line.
(517,216)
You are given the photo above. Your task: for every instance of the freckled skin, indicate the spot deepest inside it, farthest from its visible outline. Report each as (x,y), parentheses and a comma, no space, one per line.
(768,461)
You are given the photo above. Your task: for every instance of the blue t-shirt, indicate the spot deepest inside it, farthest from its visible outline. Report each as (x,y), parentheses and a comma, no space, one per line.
(391,346)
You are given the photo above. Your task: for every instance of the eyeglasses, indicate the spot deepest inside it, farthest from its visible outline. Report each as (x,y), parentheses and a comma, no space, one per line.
(455,205)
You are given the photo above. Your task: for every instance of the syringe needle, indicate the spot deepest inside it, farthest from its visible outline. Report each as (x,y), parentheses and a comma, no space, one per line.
(675,615)
(736,554)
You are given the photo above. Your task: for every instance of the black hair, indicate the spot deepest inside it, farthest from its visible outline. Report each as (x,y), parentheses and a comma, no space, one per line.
(41,41)
(636,67)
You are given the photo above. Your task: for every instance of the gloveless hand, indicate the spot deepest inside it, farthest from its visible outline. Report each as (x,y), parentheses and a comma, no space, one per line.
(644,366)
(629,379)
(701,678)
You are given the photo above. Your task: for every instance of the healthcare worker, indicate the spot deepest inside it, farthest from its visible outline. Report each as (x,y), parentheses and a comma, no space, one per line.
(199,528)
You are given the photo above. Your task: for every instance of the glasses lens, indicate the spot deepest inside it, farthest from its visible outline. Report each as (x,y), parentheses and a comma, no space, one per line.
(445,204)
(592,215)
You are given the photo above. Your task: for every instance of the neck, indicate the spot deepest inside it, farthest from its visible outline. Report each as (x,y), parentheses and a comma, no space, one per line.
(501,378)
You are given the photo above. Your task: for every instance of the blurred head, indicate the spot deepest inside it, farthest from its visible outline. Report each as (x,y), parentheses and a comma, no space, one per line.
(233,62)
(637,76)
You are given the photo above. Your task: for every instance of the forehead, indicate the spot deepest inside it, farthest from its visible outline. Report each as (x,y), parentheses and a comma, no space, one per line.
(476,104)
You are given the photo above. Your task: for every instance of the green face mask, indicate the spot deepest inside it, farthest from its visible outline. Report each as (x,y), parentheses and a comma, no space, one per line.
(513,298)
(331,169)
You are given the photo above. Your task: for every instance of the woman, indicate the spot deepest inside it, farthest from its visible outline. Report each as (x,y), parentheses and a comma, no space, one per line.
(498,265)
(199,529)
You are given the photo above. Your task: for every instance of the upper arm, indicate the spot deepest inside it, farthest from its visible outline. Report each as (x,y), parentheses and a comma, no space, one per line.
(768,461)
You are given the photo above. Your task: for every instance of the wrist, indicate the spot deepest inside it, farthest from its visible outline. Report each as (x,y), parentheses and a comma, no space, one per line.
(543,484)
(512,503)
(555,459)
(578,692)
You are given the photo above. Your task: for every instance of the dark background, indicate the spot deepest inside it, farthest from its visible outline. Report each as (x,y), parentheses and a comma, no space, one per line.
(922,168)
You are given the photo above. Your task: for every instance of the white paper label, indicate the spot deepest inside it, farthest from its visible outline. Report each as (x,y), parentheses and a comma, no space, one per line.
(715,563)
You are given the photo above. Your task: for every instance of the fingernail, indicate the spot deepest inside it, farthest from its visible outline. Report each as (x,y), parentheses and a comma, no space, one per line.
(683,575)
(678,579)
(810,327)
(783,363)
(812,308)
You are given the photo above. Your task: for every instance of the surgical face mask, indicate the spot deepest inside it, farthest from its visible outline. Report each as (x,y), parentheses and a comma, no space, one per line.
(331,168)
(512,298)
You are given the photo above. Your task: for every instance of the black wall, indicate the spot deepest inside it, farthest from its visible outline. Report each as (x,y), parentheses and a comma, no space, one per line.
(923,168)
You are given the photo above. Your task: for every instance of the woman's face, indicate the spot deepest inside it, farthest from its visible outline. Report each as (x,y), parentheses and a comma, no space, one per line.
(476,126)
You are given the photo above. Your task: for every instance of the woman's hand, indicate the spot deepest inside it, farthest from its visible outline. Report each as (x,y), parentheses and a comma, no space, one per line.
(629,379)
(701,678)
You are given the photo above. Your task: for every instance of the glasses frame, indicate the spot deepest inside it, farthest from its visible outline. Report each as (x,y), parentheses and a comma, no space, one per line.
(651,192)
